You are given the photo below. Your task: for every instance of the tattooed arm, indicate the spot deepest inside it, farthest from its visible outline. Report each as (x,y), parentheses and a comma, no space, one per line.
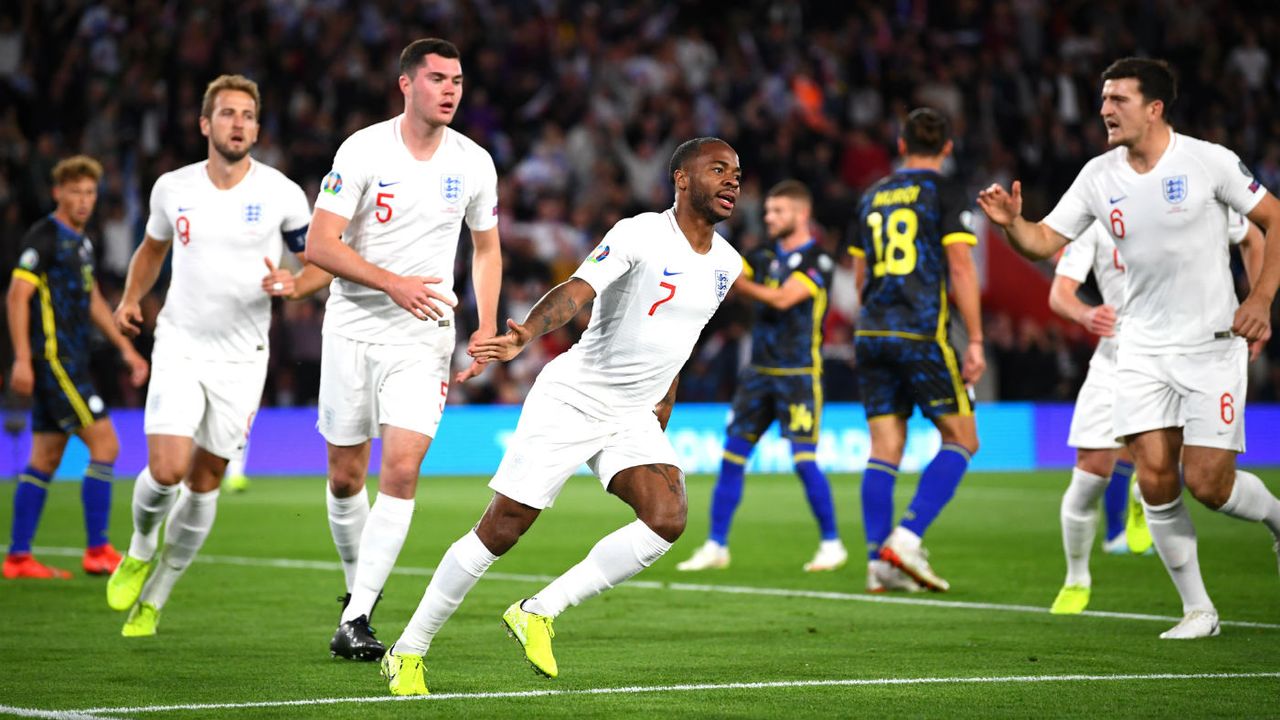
(664,406)
(555,309)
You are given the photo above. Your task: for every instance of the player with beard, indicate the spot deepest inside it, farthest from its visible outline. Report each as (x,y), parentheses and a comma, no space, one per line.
(788,282)
(653,282)
(230,215)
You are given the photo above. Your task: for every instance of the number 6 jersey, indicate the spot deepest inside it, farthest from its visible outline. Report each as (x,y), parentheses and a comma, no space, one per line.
(904,223)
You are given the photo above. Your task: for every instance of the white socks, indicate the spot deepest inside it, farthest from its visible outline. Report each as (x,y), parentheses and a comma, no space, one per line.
(1079,515)
(459,569)
(346,523)
(151,502)
(617,556)
(380,543)
(1250,500)
(185,532)
(1175,540)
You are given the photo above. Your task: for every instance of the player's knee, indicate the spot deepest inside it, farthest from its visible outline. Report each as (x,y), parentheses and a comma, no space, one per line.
(167,472)
(45,460)
(667,522)
(105,450)
(1210,489)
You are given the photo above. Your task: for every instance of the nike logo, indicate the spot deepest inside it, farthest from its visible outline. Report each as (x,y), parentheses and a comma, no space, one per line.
(668,273)
(184,209)
(1113,201)
(387,184)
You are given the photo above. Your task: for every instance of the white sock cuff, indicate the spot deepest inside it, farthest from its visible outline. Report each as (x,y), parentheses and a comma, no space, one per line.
(345,505)
(390,507)
(1249,498)
(647,544)
(1162,512)
(1084,476)
(202,498)
(472,555)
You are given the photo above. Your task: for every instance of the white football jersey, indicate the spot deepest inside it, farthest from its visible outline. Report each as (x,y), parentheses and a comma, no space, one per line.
(654,295)
(405,216)
(215,307)
(1170,227)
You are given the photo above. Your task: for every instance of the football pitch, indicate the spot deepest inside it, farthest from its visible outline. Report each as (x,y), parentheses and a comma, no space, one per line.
(245,634)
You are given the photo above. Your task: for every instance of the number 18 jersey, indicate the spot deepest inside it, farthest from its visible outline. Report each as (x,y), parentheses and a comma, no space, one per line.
(904,224)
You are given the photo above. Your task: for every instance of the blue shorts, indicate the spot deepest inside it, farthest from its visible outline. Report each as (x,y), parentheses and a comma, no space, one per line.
(895,373)
(65,399)
(793,398)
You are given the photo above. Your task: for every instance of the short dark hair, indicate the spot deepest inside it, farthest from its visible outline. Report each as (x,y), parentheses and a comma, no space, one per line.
(687,150)
(926,132)
(793,189)
(415,53)
(1156,80)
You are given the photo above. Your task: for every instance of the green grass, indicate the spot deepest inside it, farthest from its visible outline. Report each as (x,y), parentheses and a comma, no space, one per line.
(235,634)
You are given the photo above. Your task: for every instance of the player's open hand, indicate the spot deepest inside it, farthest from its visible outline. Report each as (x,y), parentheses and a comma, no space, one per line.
(478,364)
(1252,320)
(128,317)
(1100,320)
(278,281)
(1002,207)
(975,363)
(22,379)
(415,294)
(502,347)
(138,368)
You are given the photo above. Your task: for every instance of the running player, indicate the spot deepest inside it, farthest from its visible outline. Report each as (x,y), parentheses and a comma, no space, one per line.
(784,380)
(653,283)
(386,224)
(1098,453)
(224,218)
(912,247)
(52,303)
(1181,362)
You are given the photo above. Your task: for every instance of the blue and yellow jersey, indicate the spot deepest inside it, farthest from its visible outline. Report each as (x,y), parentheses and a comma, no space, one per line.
(904,224)
(790,339)
(59,262)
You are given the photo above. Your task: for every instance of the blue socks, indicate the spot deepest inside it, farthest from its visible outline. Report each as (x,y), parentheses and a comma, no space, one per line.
(1115,502)
(728,491)
(816,488)
(28,503)
(877,503)
(95,495)
(937,486)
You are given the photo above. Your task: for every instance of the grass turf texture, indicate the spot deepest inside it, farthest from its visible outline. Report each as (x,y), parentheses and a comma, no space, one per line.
(246,633)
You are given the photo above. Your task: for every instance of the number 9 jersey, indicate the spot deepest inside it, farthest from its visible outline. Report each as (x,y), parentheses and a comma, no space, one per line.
(904,222)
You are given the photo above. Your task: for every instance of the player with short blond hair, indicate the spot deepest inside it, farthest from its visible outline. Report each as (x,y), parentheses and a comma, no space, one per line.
(52,303)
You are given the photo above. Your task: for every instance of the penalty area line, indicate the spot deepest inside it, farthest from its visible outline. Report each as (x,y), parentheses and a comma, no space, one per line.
(293,564)
(691,687)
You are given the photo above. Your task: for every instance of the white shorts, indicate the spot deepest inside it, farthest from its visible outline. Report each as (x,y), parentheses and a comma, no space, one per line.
(553,439)
(211,401)
(1091,421)
(364,386)
(1203,393)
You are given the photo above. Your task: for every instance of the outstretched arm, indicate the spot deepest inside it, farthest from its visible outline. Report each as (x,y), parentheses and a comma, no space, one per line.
(1034,240)
(783,297)
(555,309)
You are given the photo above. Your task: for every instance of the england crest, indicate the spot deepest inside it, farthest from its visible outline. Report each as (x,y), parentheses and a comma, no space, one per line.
(451,188)
(722,284)
(1175,188)
(252,213)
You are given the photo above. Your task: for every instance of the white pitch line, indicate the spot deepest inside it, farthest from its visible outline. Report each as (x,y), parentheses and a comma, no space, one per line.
(694,687)
(50,714)
(291,564)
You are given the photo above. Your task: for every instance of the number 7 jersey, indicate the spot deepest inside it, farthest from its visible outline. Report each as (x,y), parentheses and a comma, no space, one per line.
(904,224)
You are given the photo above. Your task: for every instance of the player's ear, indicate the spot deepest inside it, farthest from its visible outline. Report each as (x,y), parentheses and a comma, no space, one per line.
(902,147)
(947,148)
(204,126)
(681,179)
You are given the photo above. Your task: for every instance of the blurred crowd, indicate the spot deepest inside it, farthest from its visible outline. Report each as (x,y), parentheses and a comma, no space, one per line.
(581,105)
